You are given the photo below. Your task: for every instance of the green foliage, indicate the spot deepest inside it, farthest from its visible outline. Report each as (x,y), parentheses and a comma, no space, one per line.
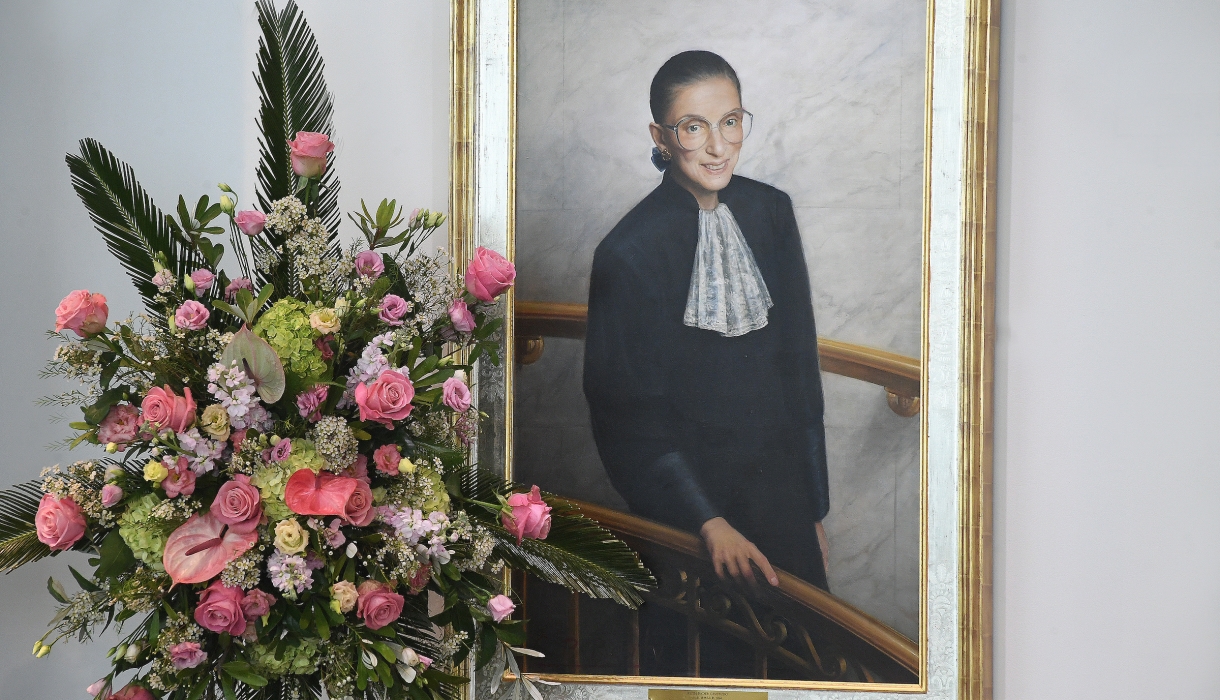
(293,97)
(135,230)
(578,553)
(19,543)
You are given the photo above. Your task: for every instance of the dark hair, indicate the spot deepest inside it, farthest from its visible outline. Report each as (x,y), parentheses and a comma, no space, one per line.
(686,68)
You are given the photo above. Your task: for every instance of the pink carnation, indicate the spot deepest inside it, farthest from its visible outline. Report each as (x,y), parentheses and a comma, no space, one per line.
(387,458)
(309,402)
(187,655)
(120,426)
(191,315)
(393,308)
(256,604)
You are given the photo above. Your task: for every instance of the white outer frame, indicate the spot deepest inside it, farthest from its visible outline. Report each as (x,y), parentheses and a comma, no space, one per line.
(941,609)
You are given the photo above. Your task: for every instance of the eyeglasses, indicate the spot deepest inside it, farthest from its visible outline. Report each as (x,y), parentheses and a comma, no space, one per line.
(693,132)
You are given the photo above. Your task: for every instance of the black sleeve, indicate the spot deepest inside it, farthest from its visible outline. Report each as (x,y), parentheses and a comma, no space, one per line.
(807,399)
(629,404)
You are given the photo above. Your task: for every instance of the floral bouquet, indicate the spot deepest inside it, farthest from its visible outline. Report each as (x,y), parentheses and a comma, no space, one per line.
(283,504)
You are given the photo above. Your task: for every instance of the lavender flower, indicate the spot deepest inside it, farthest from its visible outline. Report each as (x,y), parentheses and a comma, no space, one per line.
(290,573)
(371,364)
(235,391)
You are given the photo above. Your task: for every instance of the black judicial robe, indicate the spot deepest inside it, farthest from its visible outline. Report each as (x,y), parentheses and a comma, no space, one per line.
(689,424)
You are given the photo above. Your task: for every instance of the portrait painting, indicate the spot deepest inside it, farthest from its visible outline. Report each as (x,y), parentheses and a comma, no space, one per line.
(723,223)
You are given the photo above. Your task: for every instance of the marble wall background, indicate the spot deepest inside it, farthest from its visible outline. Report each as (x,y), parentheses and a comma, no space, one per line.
(837,91)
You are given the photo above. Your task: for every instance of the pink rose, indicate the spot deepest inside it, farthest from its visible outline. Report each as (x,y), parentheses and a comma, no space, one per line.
(377,604)
(386,458)
(187,655)
(120,426)
(309,402)
(369,264)
(203,280)
(191,315)
(111,495)
(180,481)
(393,308)
(500,607)
(456,394)
(82,313)
(282,450)
(256,604)
(359,508)
(489,274)
(219,609)
(309,153)
(459,314)
(133,692)
(238,504)
(59,522)
(530,517)
(237,285)
(387,399)
(165,409)
(250,222)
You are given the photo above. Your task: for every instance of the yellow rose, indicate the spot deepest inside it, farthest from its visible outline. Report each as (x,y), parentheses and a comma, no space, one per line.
(155,472)
(290,537)
(324,321)
(343,596)
(406,466)
(215,422)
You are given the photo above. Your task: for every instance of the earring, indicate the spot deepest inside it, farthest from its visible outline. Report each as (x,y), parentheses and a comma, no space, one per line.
(665,155)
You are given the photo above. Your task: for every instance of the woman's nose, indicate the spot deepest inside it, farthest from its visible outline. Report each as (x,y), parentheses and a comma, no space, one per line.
(716,144)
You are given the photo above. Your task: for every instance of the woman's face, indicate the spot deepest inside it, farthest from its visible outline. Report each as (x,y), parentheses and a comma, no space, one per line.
(706,170)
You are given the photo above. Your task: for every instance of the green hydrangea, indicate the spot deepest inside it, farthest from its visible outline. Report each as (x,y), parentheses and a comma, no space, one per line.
(285,326)
(304,456)
(145,535)
(271,480)
(432,488)
(298,660)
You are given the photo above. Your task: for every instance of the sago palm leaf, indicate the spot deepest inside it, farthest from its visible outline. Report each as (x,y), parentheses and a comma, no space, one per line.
(133,227)
(578,553)
(19,543)
(293,97)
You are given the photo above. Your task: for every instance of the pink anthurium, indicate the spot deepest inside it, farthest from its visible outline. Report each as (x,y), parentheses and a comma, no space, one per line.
(201,548)
(307,493)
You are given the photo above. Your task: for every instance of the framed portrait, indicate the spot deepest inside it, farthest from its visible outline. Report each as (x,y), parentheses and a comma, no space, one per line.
(751,331)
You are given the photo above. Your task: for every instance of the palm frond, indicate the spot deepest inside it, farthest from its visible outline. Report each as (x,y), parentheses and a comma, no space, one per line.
(19,543)
(292,97)
(578,553)
(133,227)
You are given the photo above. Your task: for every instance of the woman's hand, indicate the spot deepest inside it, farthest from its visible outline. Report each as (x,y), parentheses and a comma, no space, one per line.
(732,552)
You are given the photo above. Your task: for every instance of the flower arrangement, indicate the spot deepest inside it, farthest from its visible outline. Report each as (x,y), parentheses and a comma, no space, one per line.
(284,502)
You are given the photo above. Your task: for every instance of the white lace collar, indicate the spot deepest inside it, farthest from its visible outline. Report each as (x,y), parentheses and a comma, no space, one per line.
(727,292)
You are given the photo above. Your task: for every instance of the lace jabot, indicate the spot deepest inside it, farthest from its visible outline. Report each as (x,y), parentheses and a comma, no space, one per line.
(727,292)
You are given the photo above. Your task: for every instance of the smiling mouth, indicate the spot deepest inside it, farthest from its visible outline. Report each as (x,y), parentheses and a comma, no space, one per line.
(716,168)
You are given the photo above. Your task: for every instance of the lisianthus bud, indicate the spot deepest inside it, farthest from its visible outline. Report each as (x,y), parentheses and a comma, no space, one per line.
(188,283)
(133,653)
(224,187)
(227,205)
(112,447)
(406,466)
(42,651)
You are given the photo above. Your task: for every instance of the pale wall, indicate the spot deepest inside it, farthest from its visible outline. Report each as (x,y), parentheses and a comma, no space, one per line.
(168,88)
(1106,468)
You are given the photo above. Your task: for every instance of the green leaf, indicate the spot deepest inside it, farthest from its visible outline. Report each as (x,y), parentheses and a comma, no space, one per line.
(320,619)
(226,682)
(56,589)
(83,582)
(258,359)
(154,627)
(487,646)
(243,672)
(19,542)
(134,229)
(116,556)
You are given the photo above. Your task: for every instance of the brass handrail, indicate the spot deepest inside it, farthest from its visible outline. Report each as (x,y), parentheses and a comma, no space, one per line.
(899,375)
(859,623)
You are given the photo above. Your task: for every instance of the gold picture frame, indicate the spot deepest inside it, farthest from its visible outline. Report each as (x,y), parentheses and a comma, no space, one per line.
(958,322)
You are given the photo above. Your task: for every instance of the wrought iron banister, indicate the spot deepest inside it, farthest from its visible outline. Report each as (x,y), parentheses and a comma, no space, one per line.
(899,375)
(794,631)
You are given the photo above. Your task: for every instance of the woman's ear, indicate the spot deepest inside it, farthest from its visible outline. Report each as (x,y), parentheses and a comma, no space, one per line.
(658,136)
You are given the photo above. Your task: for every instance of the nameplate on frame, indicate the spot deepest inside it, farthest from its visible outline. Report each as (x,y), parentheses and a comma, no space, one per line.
(673,694)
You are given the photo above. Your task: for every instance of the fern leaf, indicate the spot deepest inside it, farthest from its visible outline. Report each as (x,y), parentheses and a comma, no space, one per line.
(19,543)
(578,553)
(293,97)
(133,227)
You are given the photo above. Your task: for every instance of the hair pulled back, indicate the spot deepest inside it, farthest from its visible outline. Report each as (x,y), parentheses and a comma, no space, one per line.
(683,70)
